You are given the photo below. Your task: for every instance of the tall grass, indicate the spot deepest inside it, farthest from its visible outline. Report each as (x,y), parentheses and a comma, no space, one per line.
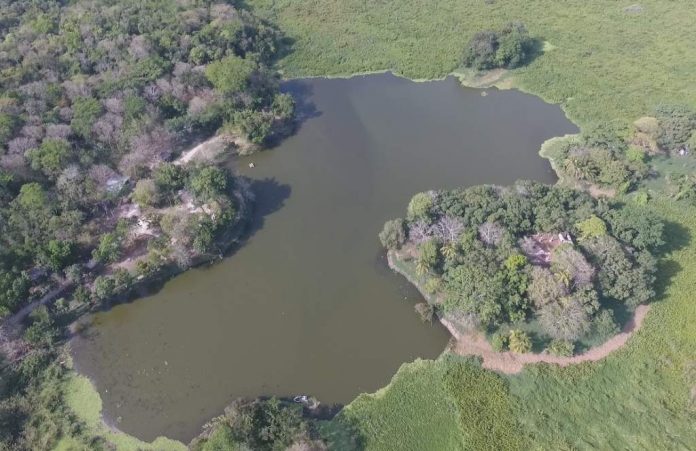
(602,63)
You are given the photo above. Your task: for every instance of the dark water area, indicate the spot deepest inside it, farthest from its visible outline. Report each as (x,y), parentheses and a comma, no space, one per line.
(307,303)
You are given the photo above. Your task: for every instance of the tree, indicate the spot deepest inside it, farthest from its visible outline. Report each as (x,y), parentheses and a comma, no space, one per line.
(481,50)
(448,229)
(514,45)
(283,106)
(169,178)
(8,124)
(419,206)
(230,74)
(86,110)
(51,157)
(508,48)
(393,235)
(208,182)
(58,254)
(591,227)
(544,287)
(104,287)
(676,122)
(14,289)
(491,233)
(499,342)
(604,326)
(637,226)
(519,342)
(255,125)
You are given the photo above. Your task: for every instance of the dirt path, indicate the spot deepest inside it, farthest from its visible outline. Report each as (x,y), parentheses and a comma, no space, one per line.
(475,343)
(11,344)
(510,363)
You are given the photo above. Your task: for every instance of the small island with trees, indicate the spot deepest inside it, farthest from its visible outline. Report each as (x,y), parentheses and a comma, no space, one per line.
(536,267)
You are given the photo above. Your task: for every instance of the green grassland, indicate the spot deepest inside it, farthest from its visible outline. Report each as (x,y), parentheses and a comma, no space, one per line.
(601,62)
(641,397)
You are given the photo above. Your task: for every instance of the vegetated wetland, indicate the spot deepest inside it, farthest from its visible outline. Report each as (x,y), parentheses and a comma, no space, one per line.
(307,304)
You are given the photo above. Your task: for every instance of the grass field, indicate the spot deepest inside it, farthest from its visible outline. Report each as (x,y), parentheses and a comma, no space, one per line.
(641,397)
(601,62)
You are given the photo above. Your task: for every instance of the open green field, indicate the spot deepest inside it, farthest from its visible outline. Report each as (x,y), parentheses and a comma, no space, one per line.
(602,62)
(641,397)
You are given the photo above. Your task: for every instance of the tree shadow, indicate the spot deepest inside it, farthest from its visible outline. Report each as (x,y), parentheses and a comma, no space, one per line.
(302,92)
(677,237)
(270,196)
(535,48)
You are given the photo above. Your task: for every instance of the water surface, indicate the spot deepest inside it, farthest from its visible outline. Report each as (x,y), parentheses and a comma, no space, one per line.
(307,304)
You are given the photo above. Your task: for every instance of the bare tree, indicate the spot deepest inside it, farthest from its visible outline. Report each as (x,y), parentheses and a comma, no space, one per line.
(491,233)
(152,93)
(419,232)
(571,262)
(114,105)
(60,131)
(201,101)
(107,128)
(20,145)
(448,229)
(565,320)
(35,132)
(139,47)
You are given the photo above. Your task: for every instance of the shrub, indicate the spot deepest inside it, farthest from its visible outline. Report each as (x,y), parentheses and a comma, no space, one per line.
(432,285)
(429,254)
(146,193)
(426,311)
(604,326)
(561,348)
(519,342)
(499,342)
(393,235)
(109,248)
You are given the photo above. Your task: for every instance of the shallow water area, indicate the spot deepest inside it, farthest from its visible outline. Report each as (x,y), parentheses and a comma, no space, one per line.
(307,303)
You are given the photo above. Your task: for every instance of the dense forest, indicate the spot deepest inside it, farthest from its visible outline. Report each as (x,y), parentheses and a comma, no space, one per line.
(98,100)
(528,262)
